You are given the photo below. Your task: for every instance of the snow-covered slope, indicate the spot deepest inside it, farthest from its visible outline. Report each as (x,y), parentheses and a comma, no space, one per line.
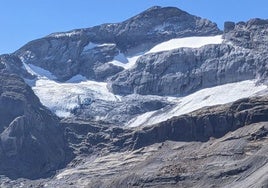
(206,97)
(189,42)
(61,98)
(38,71)
(124,61)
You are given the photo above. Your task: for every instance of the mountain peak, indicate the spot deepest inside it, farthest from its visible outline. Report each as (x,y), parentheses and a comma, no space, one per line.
(153,8)
(158,12)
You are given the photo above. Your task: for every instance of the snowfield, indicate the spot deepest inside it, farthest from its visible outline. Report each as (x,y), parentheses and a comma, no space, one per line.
(206,97)
(125,62)
(188,42)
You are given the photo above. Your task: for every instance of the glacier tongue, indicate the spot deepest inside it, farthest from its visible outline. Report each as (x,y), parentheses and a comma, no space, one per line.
(62,98)
(206,97)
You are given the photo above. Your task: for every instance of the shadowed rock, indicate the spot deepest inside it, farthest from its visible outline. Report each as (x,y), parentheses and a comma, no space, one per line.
(31,141)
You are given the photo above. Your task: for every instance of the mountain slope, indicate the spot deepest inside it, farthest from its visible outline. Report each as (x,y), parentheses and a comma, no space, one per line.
(31,142)
(221,145)
(71,53)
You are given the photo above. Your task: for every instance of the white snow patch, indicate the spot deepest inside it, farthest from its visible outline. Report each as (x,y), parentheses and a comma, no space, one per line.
(106,44)
(189,42)
(26,56)
(206,97)
(65,34)
(125,62)
(61,98)
(92,45)
(38,71)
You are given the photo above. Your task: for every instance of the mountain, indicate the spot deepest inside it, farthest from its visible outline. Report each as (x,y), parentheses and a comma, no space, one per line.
(162,99)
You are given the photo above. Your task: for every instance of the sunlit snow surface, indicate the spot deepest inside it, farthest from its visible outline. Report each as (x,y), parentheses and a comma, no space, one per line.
(189,42)
(125,62)
(206,97)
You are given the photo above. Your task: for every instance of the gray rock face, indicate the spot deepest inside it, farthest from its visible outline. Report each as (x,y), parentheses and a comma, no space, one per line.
(233,137)
(199,125)
(242,56)
(228,26)
(251,35)
(153,26)
(31,142)
(12,64)
(71,53)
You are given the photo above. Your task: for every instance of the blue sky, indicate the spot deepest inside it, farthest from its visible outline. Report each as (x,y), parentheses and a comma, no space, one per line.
(25,20)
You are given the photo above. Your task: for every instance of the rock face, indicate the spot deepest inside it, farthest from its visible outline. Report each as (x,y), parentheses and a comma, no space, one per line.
(12,64)
(242,56)
(86,51)
(31,142)
(199,125)
(184,151)
(228,26)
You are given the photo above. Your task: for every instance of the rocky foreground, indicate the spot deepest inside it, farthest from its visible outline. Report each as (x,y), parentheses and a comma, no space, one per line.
(224,145)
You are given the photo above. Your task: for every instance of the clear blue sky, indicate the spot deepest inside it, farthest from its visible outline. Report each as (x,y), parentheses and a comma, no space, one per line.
(24,20)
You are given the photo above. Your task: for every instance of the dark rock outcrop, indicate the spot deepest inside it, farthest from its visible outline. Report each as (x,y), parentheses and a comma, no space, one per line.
(251,35)
(31,141)
(228,26)
(12,64)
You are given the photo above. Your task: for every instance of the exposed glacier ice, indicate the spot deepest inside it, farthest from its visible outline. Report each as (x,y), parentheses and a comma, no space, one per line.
(206,97)
(62,98)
